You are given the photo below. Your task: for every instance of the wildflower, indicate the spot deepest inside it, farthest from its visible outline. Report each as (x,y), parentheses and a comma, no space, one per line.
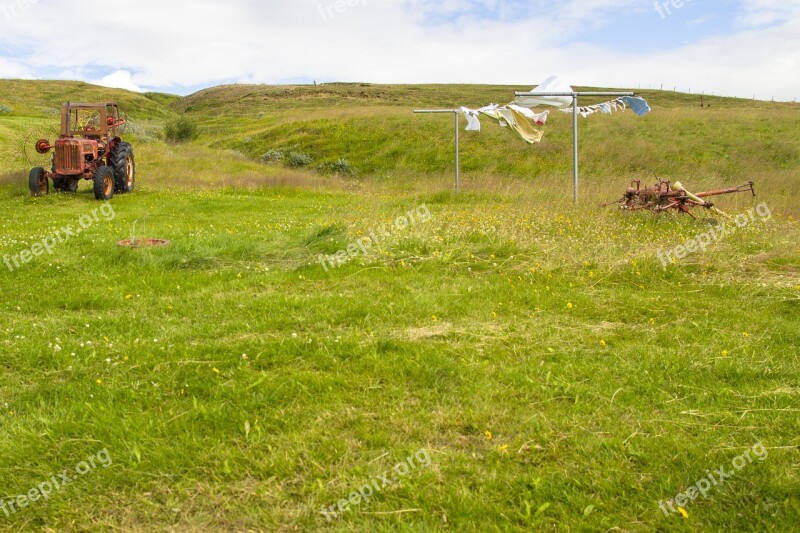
(503,448)
(652,321)
(215,370)
(570,306)
(724,353)
(99,381)
(746,335)
(129,297)
(488,435)
(603,343)
(435,318)
(683,512)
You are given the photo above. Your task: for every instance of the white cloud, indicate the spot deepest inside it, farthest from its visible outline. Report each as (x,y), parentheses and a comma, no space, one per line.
(158,44)
(120,79)
(12,69)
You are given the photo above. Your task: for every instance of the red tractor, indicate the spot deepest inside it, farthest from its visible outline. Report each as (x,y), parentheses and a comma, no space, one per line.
(88,148)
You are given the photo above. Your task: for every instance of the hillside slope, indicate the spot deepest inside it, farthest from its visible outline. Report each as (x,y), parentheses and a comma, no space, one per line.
(39,98)
(373,128)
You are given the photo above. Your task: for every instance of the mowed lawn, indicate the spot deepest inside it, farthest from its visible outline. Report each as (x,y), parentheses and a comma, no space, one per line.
(491,361)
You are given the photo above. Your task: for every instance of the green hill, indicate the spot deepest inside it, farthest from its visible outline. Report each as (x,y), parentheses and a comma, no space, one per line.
(35,98)
(372,127)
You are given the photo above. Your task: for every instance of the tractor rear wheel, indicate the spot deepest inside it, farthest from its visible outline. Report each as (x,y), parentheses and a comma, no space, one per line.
(124,165)
(104,183)
(38,183)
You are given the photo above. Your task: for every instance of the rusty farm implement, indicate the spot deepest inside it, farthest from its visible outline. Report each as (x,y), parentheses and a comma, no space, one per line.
(664,196)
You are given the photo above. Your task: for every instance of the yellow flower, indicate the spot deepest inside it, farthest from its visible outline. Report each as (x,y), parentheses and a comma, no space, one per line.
(570,306)
(435,318)
(215,370)
(129,296)
(99,381)
(683,512)
(652,321)
(746,335)
(724,353)
(603,343)
(488,435)
(503,448)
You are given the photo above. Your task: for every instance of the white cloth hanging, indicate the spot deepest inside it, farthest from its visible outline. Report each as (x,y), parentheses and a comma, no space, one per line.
(553,84)
(473,123)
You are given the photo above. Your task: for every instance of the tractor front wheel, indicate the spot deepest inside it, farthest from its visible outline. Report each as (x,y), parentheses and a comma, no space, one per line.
(124,166)
(38,183)
(104,183)
(65,184)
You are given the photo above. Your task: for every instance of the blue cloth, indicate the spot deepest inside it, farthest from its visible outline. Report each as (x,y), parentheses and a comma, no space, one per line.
(637,104)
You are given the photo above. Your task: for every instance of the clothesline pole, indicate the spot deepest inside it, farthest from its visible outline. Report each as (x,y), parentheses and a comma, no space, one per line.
(575,149)
(458,154)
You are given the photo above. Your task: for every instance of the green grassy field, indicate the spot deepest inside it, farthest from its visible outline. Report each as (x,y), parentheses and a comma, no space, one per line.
(538,363)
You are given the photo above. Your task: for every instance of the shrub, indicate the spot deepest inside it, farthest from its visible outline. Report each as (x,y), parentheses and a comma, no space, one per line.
(298,159)
(5,109)
(272,156)
(340,166)
(181,130)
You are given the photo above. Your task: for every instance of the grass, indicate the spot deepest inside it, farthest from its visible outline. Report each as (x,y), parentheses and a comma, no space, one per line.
(558,374)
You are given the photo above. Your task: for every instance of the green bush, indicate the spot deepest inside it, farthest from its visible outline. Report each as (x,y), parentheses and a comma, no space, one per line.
(272,156)
(5,109)
(298,159)
(340,166)
(180,130)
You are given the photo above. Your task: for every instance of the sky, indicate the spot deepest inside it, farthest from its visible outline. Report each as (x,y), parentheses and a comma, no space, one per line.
(745,48)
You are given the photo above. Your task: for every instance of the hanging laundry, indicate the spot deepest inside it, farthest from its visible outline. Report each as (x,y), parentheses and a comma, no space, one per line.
(524,128)
(519,119)
(539,119)
(491,112)
(553,84)
(637,104)
(473,123)
(522,119)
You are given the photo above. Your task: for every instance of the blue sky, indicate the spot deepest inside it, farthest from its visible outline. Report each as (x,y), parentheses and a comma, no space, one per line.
(731,47)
